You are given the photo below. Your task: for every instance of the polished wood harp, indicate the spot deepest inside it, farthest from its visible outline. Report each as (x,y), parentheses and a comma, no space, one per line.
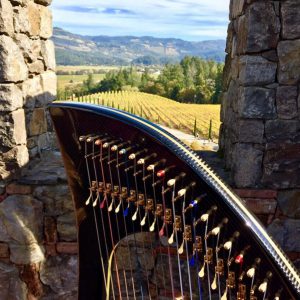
(154,221)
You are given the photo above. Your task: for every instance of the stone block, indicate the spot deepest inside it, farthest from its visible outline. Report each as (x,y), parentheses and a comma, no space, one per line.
(281,166)
(66,227)
(31,48)
(270,55)
(22,216)
(286,102)
(289,62)
(21,20)
(286,233)
(56,199)
(247,165)
(256,103)
(236,8)
(6,17)
(250,131)
(256,70)
(34,18)
(20,189)
(37,124)
(50,249)
(261,206)
(67,248)
(32,91)
(49,86)
(11,286)
(255,193)
(46,22)
(12,65)
(282,131)
(48,54)
(258,29)
(290,15)
(36,67)
(289,203)
(11,97)
(16,158)
(64,265)
(50,231)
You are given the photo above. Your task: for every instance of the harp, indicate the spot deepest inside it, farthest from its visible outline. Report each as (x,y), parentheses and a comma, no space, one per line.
(154,221)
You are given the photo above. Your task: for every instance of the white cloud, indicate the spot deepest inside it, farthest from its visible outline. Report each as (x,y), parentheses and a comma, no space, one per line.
(188,19)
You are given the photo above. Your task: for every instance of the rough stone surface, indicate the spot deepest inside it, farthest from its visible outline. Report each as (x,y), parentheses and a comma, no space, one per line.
(256,70)
(286,101)
(11,97)
(66,227)
(278,172)
(48,53)
(37,124)
(236,8)
(31,48)
(283,131)
(11,286)
(34,18)
(289,203)
(290,19)
(258,29)
(247,165)
(43,2)
(286,233)
(256,103)
(21,21)
(12,65)
(36,67)
(6,17)
(49,87)
(32,91)
(16,157)
(289,62)
(46,22)
(60,274)
(250,131)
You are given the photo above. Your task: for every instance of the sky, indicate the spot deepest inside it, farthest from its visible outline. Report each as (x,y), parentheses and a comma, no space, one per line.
(193,20)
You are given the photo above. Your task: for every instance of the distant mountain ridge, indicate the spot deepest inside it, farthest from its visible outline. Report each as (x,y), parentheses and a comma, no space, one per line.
(75,49)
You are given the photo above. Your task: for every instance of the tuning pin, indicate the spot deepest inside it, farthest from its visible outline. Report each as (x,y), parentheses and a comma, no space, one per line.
(214,283)
(125,150)
(251,272)
(228,244)
(96,200)
(171,238)
(152,227)
(110,208)
(83,138)
(134,155)
(278,294)
(180,250)
(108,144)
(171,182)
(224,297)
(118,146)
(118,207)
(263,286)
(162,230)
(162,173)
(240,257)
(156,164)
(142,161)
(102,204)
(134,217)
(87,202)
(143,222)
(202,271)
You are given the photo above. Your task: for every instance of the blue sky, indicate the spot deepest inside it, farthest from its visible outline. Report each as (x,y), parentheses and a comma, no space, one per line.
(187,19)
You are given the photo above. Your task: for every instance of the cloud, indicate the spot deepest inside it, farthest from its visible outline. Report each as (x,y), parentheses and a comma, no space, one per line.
(187,19)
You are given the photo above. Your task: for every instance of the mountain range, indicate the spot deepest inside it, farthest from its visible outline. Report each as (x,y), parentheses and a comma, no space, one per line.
(75,49)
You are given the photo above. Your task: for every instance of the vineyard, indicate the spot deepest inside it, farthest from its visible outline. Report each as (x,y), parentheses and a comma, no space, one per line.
(199,119)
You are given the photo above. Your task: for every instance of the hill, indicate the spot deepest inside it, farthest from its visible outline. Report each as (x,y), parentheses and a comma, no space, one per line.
(74,49)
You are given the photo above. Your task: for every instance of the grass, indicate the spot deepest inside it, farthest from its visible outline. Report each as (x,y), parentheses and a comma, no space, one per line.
(164,111)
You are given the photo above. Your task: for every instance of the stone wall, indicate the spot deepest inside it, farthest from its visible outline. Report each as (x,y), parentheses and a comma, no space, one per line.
(260,132)
(27,82)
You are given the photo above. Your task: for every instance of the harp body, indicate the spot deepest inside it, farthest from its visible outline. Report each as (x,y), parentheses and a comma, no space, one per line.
(184,234)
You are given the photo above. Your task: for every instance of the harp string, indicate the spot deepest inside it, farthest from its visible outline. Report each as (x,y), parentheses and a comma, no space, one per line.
(148,221)
(116,217)
(177,240)
(186,247)
(168,247)
(102,204)
(139,213)
(94,214)
(124,222)
(157,230)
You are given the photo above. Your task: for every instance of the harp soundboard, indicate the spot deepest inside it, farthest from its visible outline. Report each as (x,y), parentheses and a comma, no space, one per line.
(155,222)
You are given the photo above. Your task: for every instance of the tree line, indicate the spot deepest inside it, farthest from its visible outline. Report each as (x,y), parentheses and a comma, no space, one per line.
(192,80)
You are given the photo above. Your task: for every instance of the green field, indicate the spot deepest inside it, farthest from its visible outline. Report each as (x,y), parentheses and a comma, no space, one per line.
(68,80)
(205,118)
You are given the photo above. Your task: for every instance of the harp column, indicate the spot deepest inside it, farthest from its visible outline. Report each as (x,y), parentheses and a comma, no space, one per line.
(27,82)
(260,133)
